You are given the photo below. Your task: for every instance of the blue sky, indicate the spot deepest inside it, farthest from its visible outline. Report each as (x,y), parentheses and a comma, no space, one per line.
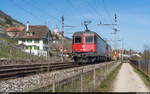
(133,17)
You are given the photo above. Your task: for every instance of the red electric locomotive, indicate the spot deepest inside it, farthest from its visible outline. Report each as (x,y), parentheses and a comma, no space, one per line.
(88,47)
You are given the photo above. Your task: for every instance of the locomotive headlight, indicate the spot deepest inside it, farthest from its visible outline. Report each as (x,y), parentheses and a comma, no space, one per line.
(83,46)
(91,50)
(76,50)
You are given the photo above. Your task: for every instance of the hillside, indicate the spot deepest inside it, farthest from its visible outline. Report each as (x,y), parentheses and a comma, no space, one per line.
(6,21)
(8,47)
(9,50)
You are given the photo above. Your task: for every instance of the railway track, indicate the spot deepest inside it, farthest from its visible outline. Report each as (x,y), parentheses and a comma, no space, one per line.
(19,70)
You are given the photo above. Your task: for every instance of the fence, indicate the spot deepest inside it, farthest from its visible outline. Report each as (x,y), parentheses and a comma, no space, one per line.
(88,80)
(142,65)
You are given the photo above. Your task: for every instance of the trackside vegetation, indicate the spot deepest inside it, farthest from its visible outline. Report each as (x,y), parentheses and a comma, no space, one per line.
(106,84)
(144,77)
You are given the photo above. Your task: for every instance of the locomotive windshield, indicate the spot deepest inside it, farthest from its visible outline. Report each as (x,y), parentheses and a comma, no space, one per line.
(77,39)
(89,39)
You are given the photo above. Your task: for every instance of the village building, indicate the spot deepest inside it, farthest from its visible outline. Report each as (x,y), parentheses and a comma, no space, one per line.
(57,35)
(56,44)
(66,49)
(35,39)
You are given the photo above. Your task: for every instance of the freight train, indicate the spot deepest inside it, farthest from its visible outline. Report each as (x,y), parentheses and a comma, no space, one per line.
(89,47)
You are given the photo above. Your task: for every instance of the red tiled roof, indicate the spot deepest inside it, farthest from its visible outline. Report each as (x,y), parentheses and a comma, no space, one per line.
(11,29)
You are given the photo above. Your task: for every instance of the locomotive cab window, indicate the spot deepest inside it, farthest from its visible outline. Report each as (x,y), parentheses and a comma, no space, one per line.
(89,39)
(95,38)
(77,39)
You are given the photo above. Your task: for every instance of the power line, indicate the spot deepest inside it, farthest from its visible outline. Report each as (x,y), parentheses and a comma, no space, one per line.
(90,11)
(93,9)
(54,7)
(45,12)
(106,11)
(70,3)
(114,28)
(41,10)
(18,6)
(79,11)
(58,11)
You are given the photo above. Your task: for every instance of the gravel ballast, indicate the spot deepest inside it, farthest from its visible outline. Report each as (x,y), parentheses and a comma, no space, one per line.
(30,83)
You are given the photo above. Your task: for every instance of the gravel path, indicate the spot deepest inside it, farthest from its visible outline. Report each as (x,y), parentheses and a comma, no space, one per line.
(128,81)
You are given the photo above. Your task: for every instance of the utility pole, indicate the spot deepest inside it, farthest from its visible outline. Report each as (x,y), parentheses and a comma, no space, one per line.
(115,33)
(62,38)
(62,26)
(48,45)
(53,83)
(48,54)
(81,84)
(94,76)
(122,51)
(114,28)
(48,39)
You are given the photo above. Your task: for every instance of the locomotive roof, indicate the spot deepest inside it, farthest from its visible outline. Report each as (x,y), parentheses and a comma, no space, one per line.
(90,32)
(83,32)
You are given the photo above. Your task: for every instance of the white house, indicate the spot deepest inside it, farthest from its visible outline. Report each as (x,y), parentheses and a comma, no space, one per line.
(35,39)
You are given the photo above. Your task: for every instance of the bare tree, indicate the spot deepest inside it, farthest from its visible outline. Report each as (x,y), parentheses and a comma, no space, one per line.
(146,53)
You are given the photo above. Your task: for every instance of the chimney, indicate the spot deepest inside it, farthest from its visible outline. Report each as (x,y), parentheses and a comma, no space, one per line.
(27,26)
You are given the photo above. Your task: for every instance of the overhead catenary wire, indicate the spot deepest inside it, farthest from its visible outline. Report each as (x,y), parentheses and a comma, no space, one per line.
(36,7)
(27,11)
(41,10)
(54,7)
(106,11)
(62,13)
(93,10)
(90,14)
(70,3)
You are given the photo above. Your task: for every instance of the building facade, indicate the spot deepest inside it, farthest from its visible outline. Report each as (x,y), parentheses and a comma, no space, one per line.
(35,39)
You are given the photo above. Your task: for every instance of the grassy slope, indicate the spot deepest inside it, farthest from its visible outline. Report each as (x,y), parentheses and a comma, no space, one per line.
(107,83)
(144,77)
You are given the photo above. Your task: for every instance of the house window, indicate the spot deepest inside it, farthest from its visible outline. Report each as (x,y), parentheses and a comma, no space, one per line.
(29,34)
(23,40)
(29,41)
(29,47)
(36,47)
(36,41)
(45,48)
